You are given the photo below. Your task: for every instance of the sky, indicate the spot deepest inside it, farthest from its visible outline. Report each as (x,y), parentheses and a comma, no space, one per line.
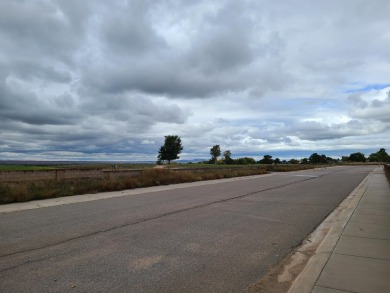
(107,80)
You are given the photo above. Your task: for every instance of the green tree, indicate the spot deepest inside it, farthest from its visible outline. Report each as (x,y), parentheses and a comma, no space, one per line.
(215,152)
(171,149)
(305,161)
(293,161)
(227,157)
(317,159)
(330,160)
(357,157)
(267,159)
(277,161)
(379,156)
(244,161)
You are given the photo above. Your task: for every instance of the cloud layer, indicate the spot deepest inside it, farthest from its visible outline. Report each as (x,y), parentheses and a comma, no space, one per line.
(107,80)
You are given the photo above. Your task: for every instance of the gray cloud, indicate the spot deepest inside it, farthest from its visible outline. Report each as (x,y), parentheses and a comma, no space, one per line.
(320,131)
(27,70)
(374,105)
(222,55)
(26,107)
(38,30)
(112,78)
(128,31)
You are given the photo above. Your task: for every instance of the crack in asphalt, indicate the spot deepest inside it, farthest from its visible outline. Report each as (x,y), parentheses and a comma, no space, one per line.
(31,261)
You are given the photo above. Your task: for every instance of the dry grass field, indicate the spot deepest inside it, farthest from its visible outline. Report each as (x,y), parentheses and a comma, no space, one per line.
(148,175)
(32,190)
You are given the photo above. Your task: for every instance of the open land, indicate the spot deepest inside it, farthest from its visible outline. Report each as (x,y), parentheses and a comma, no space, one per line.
(19,183)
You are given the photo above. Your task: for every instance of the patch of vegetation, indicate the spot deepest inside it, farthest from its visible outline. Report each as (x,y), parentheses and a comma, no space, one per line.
(24,168)
(290,167)
(207,165)
(26,191)
(84,166)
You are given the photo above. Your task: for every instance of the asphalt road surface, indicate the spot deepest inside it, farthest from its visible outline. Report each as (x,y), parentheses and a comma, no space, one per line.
(214,238)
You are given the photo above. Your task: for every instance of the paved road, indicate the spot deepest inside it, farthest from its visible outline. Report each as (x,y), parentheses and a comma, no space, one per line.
(212,238)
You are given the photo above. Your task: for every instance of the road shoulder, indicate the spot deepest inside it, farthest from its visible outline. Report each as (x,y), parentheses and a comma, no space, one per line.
(299,270)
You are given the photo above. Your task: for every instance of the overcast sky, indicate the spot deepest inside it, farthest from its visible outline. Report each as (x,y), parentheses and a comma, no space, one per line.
(107,80)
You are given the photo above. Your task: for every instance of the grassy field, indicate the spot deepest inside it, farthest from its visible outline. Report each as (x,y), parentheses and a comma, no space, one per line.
(25,191)
(276,168)
(32,190)
(21,167)
(24,168)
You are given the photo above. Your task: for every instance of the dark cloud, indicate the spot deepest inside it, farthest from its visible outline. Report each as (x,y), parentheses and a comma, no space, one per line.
(128,31)
(225,41)
(32,30)
(164,79)
(27,107)
(30,69)
(223,55)
(315,131)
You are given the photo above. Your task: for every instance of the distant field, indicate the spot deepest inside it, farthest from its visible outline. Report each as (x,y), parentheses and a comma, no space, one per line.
(30,167)
(24,168)
(124,166)
(90,166)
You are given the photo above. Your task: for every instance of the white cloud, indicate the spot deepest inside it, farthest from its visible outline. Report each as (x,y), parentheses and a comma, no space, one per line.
(145,141)
(372,105)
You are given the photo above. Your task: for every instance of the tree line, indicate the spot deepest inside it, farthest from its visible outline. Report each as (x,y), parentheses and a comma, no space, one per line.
(172,147)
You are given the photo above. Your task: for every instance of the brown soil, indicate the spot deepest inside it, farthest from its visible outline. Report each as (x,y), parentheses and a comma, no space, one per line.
(274,282)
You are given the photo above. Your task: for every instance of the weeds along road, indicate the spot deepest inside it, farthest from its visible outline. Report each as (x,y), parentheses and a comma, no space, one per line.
(212,238)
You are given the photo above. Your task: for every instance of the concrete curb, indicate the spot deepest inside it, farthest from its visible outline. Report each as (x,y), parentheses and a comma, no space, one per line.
(306,280)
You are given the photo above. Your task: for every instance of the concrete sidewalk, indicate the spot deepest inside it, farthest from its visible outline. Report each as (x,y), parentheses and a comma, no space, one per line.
(355,256)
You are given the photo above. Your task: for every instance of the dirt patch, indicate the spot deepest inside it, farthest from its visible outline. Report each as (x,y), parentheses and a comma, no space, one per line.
(281,277)
(159,167)
(275,281)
